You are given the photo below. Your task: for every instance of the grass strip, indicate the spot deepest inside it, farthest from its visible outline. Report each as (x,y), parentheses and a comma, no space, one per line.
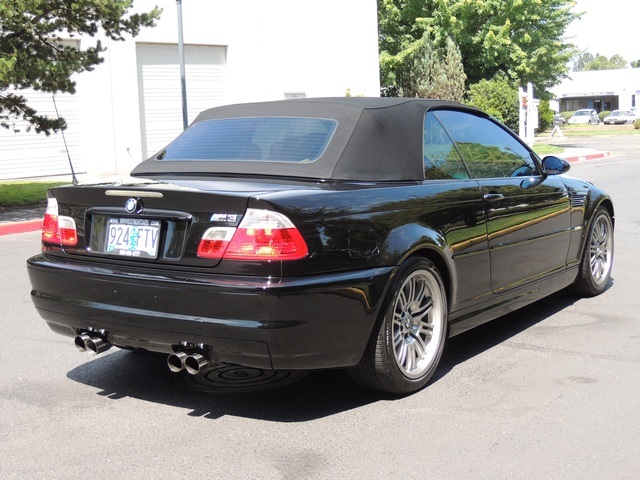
(13,194)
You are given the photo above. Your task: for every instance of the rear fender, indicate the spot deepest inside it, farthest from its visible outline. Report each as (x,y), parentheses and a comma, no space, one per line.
(419,240)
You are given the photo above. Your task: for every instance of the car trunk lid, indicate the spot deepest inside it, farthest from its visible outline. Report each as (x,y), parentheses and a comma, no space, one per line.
(149,222)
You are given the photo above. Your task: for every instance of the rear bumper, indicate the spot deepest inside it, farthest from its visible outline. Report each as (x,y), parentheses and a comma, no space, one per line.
(319,321)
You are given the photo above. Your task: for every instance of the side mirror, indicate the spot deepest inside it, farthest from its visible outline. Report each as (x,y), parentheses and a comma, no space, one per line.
(554,165)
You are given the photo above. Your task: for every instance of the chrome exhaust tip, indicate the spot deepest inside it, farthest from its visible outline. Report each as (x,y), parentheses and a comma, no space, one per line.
(97,345)
(81,342)
(176,361)
(195,362)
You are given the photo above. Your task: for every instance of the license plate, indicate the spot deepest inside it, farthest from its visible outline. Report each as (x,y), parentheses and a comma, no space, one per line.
(132,237)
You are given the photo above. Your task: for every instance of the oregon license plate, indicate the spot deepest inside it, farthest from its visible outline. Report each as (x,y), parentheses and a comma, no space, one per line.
(132,237)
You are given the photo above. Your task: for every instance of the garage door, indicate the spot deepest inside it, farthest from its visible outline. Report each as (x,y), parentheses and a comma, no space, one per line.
(159,88)
(29,154)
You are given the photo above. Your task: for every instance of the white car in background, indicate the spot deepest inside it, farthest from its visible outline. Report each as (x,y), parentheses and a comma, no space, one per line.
(584,116)
(619,117)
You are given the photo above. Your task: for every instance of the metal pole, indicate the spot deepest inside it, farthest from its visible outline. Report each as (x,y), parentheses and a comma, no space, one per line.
(183,76)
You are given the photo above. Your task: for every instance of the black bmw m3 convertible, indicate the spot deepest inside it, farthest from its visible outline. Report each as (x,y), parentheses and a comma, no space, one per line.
(355,233)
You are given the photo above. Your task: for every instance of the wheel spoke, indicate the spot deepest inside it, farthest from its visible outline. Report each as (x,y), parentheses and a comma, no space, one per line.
(602,233)
(418,291)
(419,346)
(425,330)
(596,269)
(402,302)
(408,360)
(397,318)
(398,337)
(407,295)
(402,353)
(423,310)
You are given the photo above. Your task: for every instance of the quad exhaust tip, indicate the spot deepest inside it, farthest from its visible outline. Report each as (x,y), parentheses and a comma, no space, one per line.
(192,363)
(93,342)
(176,361)
(195,362)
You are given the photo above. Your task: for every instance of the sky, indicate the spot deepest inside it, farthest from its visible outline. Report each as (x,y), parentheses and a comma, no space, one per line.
(607,28)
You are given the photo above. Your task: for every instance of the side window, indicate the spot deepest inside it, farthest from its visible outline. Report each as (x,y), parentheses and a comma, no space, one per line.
(488,149)
(441,159)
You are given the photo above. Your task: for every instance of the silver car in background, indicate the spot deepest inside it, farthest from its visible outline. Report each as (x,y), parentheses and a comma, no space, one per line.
(619,117)
(584,116)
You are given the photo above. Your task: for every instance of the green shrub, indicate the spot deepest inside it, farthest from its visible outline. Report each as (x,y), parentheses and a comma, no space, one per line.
(567,115)
(604,113)
(498,97)
(545,116)
(636,124)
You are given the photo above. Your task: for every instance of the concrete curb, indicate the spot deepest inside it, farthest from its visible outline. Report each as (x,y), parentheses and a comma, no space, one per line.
(9,228)
(591,156)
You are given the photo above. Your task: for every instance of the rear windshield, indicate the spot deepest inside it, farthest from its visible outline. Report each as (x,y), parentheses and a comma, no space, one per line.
(279,139)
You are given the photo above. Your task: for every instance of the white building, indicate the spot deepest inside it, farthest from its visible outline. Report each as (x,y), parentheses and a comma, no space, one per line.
(599,89)
(130,106)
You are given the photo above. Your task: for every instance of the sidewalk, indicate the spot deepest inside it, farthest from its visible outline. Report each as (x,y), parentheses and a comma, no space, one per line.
(29,219)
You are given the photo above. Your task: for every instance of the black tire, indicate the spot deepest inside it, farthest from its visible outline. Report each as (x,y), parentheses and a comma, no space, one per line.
(597,258)
(407,342)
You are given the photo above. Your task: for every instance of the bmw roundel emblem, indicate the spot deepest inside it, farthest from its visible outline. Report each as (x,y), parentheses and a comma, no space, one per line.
(131,206)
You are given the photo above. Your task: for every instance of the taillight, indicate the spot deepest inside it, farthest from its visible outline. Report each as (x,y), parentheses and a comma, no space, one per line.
(262,235)
(50,233)
(58,229)
(215,241)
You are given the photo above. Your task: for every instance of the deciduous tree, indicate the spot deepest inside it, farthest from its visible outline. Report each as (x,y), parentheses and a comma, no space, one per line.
(601,62)
(523,39)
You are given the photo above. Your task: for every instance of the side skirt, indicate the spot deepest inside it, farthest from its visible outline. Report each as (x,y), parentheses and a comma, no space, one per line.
(507,302)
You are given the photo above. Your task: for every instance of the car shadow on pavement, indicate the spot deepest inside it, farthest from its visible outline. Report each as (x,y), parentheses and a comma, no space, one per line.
(467,345)
(287,396)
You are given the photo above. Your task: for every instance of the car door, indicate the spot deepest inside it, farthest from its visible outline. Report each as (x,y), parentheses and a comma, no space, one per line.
(527,213)
(462,218)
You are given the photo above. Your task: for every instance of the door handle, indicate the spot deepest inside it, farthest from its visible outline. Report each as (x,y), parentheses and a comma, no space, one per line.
(493,198)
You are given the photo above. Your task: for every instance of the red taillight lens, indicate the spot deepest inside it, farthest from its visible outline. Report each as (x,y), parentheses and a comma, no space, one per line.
(57,229)
(215,241)
(262,235)
(67,229)
(267,244)
(50,232)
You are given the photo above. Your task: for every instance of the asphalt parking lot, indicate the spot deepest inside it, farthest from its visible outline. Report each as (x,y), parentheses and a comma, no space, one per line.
(547,392)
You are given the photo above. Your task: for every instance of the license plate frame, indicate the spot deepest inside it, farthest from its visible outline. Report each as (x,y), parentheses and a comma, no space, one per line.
(132,237)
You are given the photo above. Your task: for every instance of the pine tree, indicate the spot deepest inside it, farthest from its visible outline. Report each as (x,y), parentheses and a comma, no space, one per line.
(432,73)
(34,55)
(453,76)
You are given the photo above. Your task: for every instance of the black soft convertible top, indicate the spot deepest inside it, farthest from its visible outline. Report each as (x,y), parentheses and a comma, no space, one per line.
(376,139)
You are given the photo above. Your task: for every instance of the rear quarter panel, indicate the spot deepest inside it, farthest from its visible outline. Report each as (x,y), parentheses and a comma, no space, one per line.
(361,226)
